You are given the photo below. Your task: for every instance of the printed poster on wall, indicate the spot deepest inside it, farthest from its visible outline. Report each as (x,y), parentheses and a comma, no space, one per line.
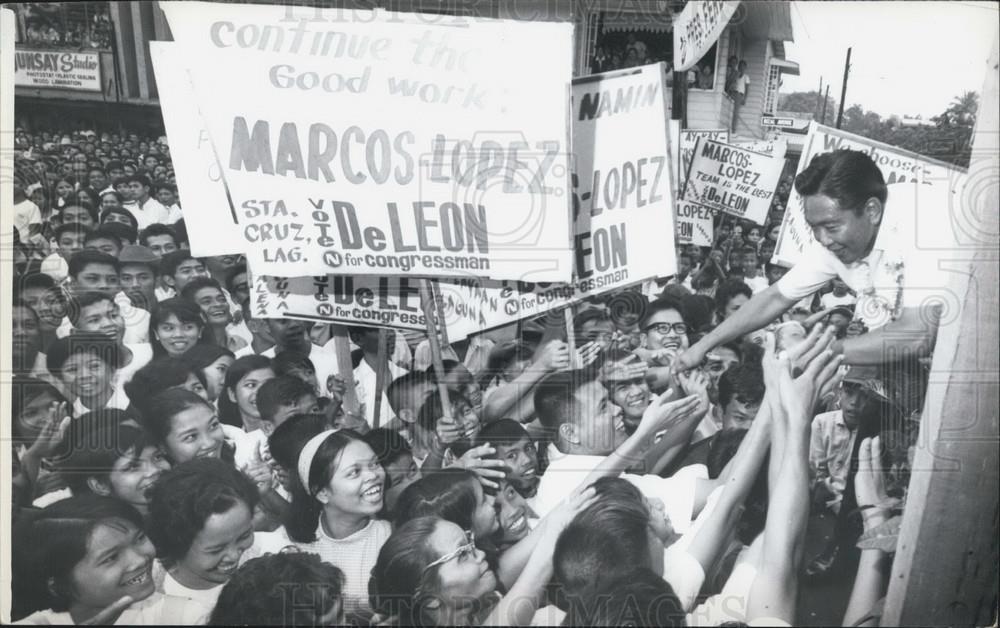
(445,156)
(897,166)
(732,180)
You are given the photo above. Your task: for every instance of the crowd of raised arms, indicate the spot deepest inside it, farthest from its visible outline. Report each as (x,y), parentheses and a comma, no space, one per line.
(178,461)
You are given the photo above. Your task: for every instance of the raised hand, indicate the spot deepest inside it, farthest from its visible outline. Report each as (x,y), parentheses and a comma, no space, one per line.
(869,483)
(554,356)
(587,354)
(691,358)
(110,613)
(259,471)
(52,433)
(663,414)
(696,382)
(563,514)
(487,469)
(336,386)
(448,431)
(798,395)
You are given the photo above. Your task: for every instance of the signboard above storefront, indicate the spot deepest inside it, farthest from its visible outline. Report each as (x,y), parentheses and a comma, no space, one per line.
(57,69)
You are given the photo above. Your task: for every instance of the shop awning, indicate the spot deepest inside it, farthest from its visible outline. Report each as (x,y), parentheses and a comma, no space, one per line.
(786,66)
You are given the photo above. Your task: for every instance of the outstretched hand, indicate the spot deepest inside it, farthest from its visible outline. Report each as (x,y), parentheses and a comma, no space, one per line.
(486,469)
(662,414)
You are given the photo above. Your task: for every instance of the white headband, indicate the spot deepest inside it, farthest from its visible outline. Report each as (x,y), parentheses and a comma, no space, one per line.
(307,454)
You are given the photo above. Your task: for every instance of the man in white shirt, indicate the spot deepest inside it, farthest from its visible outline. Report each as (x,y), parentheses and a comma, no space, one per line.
(874,251)
(145,209)
(585,428)
(366,338)
(839,296)
(293,335)
(27,216)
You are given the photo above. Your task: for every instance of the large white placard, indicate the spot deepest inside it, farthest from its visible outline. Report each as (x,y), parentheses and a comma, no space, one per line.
(733,180)
(208,211)
(623,205)
(697,27)
(897,166)
(369,142)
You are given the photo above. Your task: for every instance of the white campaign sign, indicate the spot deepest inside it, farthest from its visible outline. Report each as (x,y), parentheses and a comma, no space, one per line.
(694,224)
(376,143)
(733,180)
(697,27)
(688,138)
(623,205)
(897,166)
(371,301)
(208,212)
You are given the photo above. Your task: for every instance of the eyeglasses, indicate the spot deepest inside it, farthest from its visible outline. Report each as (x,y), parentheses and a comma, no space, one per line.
(460,552)
(665,328)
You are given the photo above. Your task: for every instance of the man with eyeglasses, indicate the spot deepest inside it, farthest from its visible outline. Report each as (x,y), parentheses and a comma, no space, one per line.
(664,336)
(896,275)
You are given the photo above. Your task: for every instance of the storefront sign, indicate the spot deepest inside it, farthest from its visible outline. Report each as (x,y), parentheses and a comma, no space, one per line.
(733,180)
(697,27)
(57,69)
(378,143)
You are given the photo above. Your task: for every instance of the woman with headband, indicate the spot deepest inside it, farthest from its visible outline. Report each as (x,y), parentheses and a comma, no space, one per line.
(334,506)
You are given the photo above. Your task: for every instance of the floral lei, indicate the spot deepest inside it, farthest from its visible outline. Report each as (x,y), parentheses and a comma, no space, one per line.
(874,307)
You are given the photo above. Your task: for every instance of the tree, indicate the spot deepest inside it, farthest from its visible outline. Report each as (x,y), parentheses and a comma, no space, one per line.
(807,102)
(961,112)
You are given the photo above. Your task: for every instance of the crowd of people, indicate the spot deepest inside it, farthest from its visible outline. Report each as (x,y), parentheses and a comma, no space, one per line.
(83,25)
(177,460)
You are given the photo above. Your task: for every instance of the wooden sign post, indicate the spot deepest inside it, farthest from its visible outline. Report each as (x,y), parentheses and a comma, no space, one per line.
(427,304)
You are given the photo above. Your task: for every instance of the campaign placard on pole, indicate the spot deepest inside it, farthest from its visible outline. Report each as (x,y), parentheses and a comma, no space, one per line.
(694,224)
(732,180)
(897,166)
(697,27)
(623,205)
(688,138)
(208,212)
(379,143)
(371,301)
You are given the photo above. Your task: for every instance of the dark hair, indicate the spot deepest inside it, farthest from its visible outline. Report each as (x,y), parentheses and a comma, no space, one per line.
(505,354)
(602,544)
(157,376)
(286,589)
(287,440)
(849,177)
(120,231)
(727,290)
(593,314)
(121,211)
(400,387)
(395,588)
(94,343)
(639,598)
(171,261)
(185,311)
(49,543)
(662,304)
(95,442)
(156,229)
(503,432)
(81,259)
(75,227)
(745,381)
(289,360)
(197,284)
(141,178)
(85,299)
(23,390)
(203,355)
(699,309)
(433,408)
(239,269)
(229,412)
(554,400)
(447,493)
(187,495)
(90,209)
(283,390)
(103,232)
(388,445)
(162,408)
(304,514)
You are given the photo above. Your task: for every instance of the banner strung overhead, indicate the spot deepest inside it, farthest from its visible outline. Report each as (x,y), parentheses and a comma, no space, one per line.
(377,143)
(622,202)
(697,27)
(732,180)
(897,166)
(208,212)
(57,69)
(371,301)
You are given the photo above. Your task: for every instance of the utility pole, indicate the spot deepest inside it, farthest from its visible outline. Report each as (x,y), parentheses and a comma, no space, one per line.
(843,90)
(819,94)
(826,99)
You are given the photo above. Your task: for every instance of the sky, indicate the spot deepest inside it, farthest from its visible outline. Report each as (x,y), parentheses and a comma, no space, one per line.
(908,58)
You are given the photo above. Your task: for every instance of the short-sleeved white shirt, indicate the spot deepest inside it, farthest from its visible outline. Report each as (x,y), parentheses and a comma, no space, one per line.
(567,471)
(897,262)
